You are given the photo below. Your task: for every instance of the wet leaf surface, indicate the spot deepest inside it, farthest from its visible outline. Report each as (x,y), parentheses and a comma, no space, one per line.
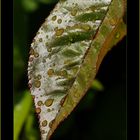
(66,53)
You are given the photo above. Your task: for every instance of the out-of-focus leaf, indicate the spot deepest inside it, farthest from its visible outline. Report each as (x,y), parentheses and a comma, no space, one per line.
(29,123)
(30,5)
(19,42)
(97,85)
(20,29)
(66,54)
(18,66)
(30,131)
(21,111)
(18,61)
(48,1)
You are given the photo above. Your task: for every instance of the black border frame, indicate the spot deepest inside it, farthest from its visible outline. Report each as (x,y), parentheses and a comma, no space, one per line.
(133,70)
(7,70)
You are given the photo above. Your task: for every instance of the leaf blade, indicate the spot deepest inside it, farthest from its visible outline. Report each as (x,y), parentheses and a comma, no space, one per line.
(49,71)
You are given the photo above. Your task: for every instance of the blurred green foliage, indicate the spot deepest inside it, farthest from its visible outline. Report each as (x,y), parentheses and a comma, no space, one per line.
(26,23)
(21,111)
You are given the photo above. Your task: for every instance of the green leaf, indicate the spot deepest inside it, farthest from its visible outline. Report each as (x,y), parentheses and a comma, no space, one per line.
(31,133)
(97,85)
(48,1)
(21,111)
(66,54)
(30,5)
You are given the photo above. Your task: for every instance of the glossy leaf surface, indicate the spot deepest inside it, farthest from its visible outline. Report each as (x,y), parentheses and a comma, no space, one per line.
(66,54)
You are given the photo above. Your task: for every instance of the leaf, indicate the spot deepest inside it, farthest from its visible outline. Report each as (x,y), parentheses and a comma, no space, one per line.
(66,53)
(97,85)
(21,111)
(29,5)
(30,131)
(48,1)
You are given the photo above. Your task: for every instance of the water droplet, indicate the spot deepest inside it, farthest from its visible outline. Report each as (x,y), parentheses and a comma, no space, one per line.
(44,123)
(38,110)
(50,72)
(37,83)
(59,32)
(73,12)
(49,102)
(51,123)
(54,18)
(39,103)
(33,96)
(49,49)
(59,21)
